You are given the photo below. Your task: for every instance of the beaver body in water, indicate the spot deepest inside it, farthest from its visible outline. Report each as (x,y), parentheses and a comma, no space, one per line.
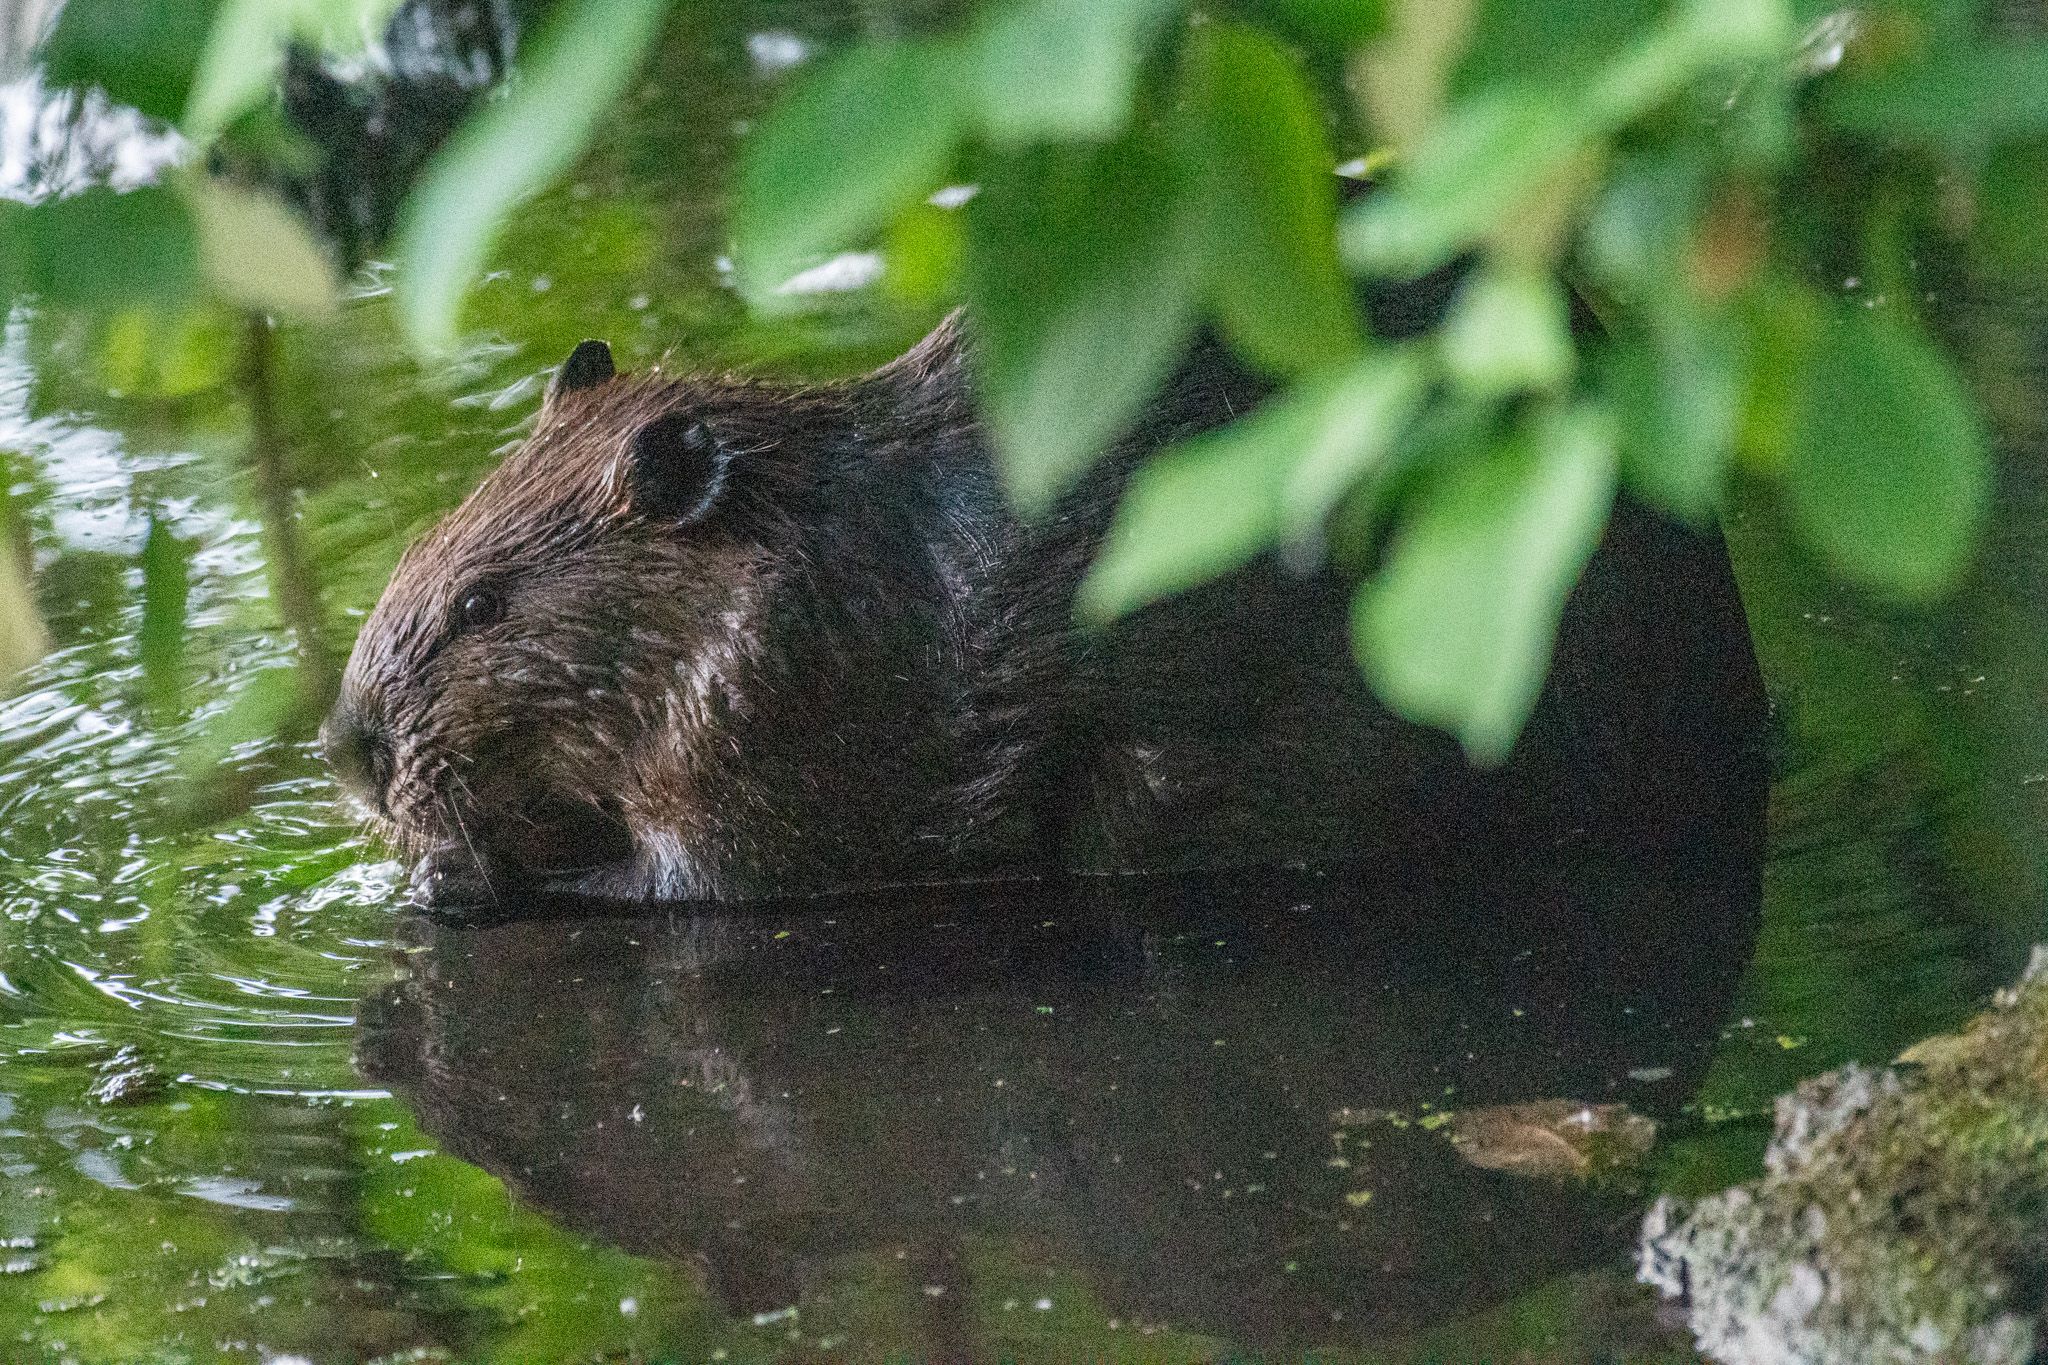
(721,639)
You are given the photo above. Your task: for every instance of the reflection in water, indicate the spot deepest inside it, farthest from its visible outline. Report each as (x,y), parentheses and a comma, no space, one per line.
(1218,1099)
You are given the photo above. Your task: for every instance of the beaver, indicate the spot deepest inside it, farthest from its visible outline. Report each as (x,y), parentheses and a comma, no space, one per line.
(715,638)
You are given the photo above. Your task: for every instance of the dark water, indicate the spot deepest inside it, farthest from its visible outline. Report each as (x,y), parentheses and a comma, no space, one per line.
(250,1107)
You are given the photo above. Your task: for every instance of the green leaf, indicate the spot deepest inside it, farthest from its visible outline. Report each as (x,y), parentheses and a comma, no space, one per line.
(1337,25)
(1678,388)
(141,52)
(1205,507)
(258,253)
(1084,274)
(1477,164)
(1486,158)
(100,247)
(242,55)
(1191,514)
(1508,331)
(856,143)
(1887,472)
(577,68)
(1061,70)
(1256,138)
(1349,429)
(1960,96)
(1456,631)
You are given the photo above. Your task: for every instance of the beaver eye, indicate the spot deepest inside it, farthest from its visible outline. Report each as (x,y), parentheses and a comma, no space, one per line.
(481,606)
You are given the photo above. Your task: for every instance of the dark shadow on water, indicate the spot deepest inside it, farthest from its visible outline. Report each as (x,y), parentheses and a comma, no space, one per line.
(1170,1084)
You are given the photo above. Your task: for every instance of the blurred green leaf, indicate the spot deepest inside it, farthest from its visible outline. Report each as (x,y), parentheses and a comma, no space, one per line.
(1678,389)
(1959,96)
(1260,150)
(851,147)
(1191,514)
(1061,70)
(1484,160)
(576,70)
(256,252)
(1886,471)
(240,60)
(1642,226)
(100,247)
(141,52)
(1206,507)
(1508,331)
(1349,426)
(1457,628)
(1406,73)
(1084,276)
(1516,41)
(1338,25)
(2012,206)
(1475,166)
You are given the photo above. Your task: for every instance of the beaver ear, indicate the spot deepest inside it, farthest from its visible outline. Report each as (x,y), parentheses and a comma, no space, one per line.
(675,469)
(589,364)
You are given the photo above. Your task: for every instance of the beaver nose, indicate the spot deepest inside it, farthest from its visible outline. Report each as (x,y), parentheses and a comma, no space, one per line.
(359,755)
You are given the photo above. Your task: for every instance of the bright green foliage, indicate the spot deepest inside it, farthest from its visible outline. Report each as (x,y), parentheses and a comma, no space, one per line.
(1084,273)
(1256,136)
(1059,69)
(1213,504)
(579,65)
(1886,471)
(1141,170)
(1457,629)
(876,129)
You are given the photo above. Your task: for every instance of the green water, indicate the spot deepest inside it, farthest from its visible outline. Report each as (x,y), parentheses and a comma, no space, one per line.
(250,1106)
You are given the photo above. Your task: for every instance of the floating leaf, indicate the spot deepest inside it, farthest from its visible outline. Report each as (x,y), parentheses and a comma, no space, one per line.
(1264,162)
(578,67)
(1061,69)
(1084,274)
(1457,628)
(855,143)
(1887,471)
(257,252)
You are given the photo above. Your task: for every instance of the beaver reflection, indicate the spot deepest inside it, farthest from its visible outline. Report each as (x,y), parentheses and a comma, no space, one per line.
(1134,1081)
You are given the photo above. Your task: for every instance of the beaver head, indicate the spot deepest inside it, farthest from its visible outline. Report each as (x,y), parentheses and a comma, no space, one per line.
(588,602)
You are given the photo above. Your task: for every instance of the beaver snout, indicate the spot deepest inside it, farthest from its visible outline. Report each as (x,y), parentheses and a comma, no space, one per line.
(359,754)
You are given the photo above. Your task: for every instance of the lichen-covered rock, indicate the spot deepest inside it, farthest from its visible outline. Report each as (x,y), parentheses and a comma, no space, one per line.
(1902,1216)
